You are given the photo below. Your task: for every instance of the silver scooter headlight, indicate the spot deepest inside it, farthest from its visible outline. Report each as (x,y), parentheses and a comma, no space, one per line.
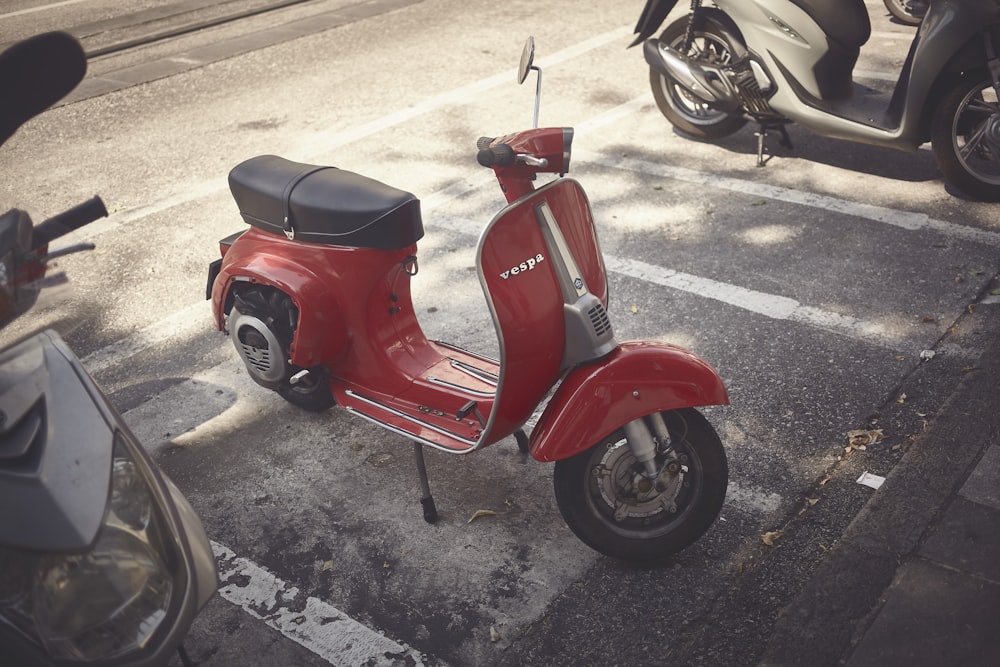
(110,601)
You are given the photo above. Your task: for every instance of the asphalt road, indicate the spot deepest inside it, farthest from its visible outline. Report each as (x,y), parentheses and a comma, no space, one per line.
(838,288)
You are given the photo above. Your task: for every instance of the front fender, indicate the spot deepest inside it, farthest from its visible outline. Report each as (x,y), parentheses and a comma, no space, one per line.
(637,379)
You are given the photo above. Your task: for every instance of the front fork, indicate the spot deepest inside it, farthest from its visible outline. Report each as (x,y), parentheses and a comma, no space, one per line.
(644,436)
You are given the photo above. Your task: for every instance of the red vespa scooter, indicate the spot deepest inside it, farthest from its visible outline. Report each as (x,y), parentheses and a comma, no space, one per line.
(316,296)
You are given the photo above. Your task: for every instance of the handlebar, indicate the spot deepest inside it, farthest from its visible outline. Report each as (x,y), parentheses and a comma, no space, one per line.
(67,221)
(502,155)
(499,155)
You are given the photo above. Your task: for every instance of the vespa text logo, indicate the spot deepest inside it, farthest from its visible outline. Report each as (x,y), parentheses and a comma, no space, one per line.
(526,265)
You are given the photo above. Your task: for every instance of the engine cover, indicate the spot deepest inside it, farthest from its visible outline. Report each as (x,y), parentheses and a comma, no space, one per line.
(265,357)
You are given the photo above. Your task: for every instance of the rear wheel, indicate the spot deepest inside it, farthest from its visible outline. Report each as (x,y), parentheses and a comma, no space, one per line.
(311,393)
(965,137)
(906,11)
(610,505)
(690,115)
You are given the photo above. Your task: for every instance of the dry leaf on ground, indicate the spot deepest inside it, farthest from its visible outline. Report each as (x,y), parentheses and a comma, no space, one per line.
(769,538)
(480,514)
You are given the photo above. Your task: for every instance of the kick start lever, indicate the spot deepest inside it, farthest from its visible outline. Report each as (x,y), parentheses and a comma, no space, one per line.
(471,408)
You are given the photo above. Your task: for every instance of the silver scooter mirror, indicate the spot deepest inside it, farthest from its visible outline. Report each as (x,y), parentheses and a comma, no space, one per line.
(527,64)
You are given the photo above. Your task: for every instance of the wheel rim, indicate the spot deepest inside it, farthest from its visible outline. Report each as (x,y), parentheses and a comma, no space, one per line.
(632,506)
(708,48)
(975,132)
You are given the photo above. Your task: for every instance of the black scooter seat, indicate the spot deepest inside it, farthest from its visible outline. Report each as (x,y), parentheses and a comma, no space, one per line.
(317,204)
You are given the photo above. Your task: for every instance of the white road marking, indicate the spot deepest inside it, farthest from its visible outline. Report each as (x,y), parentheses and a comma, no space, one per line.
(41,8)
(769,305)
(318,144)
(188,320)
(309,621)
(904,219)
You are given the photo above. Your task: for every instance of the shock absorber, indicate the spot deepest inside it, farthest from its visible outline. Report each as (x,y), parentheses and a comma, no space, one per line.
(689,34)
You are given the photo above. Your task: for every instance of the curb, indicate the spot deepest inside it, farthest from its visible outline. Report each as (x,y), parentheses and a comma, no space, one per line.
(830,614)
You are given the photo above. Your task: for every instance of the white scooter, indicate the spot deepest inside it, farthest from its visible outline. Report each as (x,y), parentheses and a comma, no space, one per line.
(774,62)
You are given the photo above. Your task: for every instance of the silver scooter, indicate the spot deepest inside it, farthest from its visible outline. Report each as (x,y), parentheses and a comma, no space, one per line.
(102,559)
(774,62)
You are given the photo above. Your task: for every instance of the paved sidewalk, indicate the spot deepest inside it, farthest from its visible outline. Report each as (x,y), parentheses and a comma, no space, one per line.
(915,580)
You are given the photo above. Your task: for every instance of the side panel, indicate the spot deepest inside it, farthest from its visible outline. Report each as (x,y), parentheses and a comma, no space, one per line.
(946,29)
(265,259)
(639,378)
(518,277)
(519,274)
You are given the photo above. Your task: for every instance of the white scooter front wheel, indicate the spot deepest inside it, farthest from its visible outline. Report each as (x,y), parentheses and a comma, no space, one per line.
(965,137)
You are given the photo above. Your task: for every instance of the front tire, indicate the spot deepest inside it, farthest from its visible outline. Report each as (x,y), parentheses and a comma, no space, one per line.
(691,116)
(599,494)
(965,137)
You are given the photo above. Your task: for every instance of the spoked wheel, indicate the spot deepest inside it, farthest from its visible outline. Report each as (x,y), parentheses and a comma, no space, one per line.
(965,138)
(713,44)
(262,323)
(906,12)
(614,508)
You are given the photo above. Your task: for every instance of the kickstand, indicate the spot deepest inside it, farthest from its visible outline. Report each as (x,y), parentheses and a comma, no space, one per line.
(522,440)
(185,658)
(430,511)
(761,134)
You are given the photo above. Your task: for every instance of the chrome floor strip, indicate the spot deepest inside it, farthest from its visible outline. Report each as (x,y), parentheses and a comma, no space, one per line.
(403,415)
(407,434)
(456,348)
(464,390)
(478,373)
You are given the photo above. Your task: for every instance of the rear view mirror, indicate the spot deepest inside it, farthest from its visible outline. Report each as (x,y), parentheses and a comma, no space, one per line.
(35,74)
(527,59)
(528,64)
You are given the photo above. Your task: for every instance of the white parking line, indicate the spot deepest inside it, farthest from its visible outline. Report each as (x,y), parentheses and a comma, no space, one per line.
(769,305)
(41,8)
(323,629)
(318,144)
(904,219)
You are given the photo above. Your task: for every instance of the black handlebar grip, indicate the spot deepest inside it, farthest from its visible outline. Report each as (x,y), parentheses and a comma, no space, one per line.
(67,221)
(484,143)
(500,155)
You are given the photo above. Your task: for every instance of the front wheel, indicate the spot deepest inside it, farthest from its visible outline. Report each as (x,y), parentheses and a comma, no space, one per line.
(691,116)
(610,504)
(965,137)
